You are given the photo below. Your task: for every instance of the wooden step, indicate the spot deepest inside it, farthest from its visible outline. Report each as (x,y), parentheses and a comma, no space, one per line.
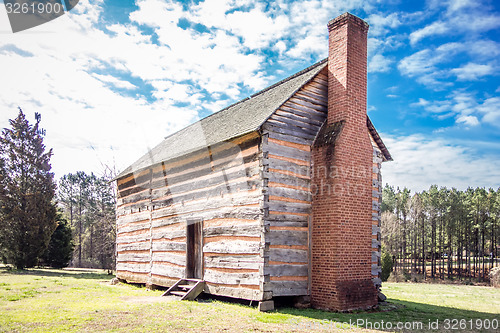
(179,293)
(187,289)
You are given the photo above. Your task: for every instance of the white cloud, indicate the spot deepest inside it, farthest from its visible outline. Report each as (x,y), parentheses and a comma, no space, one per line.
(436,28)
(429,66)
(381,24)
(114,81)
(379,64)
(465,107)
(460,17)
(472,71)
(420,161)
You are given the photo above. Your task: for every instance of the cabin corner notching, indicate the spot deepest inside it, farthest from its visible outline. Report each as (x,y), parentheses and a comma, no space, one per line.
(252,201)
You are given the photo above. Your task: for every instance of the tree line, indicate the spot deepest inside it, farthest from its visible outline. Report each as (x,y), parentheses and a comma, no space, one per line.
(45,224)
(88,203)
(441,233)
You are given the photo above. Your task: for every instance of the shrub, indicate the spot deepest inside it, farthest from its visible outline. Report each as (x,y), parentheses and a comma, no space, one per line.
(386,266)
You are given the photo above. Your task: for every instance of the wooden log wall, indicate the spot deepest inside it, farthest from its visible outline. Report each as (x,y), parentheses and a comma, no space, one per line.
(220,186)
(286,144)
(376,214)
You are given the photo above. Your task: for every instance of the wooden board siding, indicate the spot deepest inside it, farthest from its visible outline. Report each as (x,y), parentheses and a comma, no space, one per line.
(286,144)
(221,186)
(376,214)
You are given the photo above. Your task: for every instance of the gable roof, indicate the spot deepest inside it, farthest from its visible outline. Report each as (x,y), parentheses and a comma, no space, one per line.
(238,119)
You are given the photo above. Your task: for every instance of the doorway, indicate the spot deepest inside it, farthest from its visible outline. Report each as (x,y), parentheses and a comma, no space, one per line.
(194,249)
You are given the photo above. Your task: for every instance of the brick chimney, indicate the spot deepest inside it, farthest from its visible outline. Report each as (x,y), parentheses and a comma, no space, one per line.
(341,176)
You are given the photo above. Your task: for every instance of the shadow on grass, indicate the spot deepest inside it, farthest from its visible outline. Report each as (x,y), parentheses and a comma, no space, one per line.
(406,312)
(66,273)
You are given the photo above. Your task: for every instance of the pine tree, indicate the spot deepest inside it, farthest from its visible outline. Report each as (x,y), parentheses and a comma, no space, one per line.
(27,188)
(60,249)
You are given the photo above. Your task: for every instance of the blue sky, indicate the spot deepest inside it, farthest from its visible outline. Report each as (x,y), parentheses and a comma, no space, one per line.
(112,78)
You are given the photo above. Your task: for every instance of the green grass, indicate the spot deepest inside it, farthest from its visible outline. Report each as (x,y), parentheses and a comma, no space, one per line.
(42,300)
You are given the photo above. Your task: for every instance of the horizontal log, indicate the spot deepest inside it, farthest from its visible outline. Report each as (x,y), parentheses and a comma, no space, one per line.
(252,278)
(305,112)
(303,170)
(286,270)
(133,227)
(301,102)
(299,224)
(225,208)
(289,193)
(168,234)
(289,288)
(278,217)
(125,217)
(132,239)
(287,137)
(234,262)
(248,230)
(290,180)
(279,150)
(208,176)
(317,98)
(136,257)
(294,129)
(288,255)
(301,124)
(132,277)
(287,237)
(287,130)
(289,207)
(133,267)
(240,292)
(300,117)
(172,258)
(141,246)
(168,271)
(232,246)
(223,190)
(168,246)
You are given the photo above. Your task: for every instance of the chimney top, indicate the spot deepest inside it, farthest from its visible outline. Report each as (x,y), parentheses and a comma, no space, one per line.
(347,17)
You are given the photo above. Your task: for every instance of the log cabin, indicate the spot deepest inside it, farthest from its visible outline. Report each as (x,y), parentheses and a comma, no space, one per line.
(276,195)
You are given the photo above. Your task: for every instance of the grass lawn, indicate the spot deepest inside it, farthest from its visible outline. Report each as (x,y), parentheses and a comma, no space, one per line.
(44,300)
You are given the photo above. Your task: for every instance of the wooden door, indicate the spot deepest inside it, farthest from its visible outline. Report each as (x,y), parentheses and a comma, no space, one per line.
(194,249)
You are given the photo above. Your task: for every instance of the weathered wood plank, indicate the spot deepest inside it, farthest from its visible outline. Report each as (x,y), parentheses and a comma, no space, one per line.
(276,177)
(295,116)
(317,116)
(214,276)
(168,246)
(287,255)
(172,258)
(247,230)
(290,193)
(232,246)
(168,270)
(273,217)
(287,130)
(289,138)
(136,257)
(133,267)
(284,151)
(299,122)
(286,270)
(133,246)
(241,292)
(287,237)
(289,288)
(289,207)
(234,262)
